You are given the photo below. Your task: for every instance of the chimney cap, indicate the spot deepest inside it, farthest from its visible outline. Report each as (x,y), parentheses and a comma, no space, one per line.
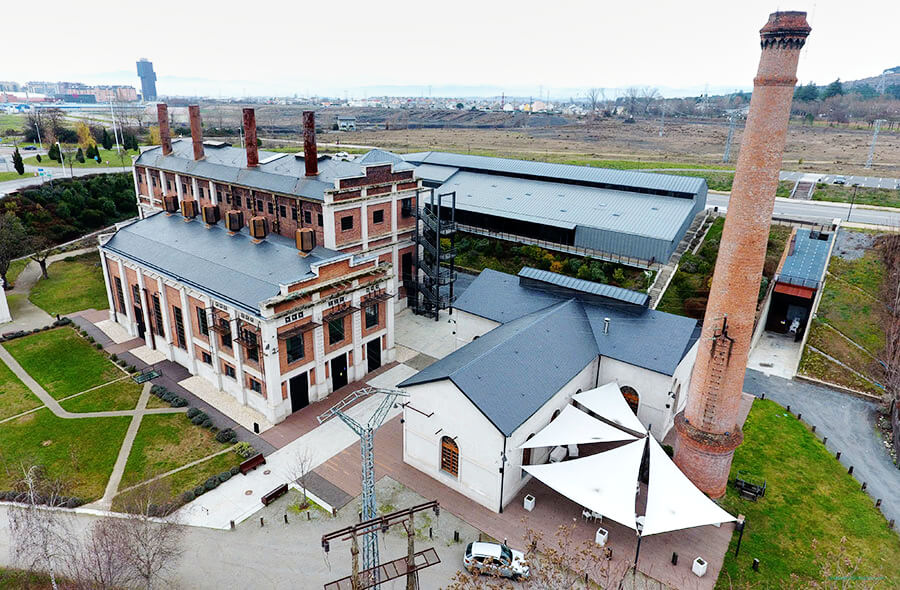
(790,23)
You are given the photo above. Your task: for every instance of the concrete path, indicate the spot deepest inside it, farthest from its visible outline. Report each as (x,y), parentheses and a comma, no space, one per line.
(849,424)
(112,485)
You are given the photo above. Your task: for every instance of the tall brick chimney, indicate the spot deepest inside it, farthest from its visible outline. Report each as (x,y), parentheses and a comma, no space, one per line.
(250,138)
(165,136)
(196,131)
(310,151)
(707,430)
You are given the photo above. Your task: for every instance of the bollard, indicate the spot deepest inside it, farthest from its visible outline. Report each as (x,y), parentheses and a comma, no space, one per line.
(838,456)
(456,536)
(814,428)
(755,564)
(261,523)
(232,525)
(850,471)
(674,558)
(430,533)
(789,408)
(878,503)
(285,519)
(763,396)
(799,415)
(864,486)
(825,440)
(308,515)
(891,524)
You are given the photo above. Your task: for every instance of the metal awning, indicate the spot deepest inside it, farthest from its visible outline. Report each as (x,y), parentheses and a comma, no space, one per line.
(297,330)
(338,313)
(376,298)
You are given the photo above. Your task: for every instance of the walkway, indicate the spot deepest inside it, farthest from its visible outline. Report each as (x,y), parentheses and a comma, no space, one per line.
(849,424)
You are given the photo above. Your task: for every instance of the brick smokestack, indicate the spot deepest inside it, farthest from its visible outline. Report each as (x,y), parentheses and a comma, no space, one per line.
(707,430)
(165,136)
(250,138)
(310,151)
(196,131)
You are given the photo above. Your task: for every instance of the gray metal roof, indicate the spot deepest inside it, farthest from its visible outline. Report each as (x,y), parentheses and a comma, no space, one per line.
(229,268)
(545,339)
(580,285)
(283,175)
(535,355)
(567,205)
(623,179)
(805,266)
(434,173)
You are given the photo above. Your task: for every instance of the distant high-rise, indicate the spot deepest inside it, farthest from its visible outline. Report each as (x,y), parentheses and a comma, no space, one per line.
(148,78)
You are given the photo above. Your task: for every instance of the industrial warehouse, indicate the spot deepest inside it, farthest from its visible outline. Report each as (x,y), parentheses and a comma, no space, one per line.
(635,218)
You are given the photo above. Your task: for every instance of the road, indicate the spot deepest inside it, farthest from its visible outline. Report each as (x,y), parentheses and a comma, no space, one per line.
(866,181)
(818,211)
(29,178)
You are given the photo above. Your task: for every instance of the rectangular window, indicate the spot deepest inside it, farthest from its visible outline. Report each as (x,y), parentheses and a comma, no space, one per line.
(320,220)
(201,192)
(229,371)
(255,385)
(271,208)
(219,197)
(120,295)
(157,316)
(226,333)
(184,189)
(294,213)
(237,200)
(282,210)
(202,324)
(168,185)
(253,354)
(378,216)
(206,357)
(259,205)
(371,316)
(346,223)
(181,341)
(406,208)
(307,217)
(135,295)
(295,349)
(335,331)
(252,351)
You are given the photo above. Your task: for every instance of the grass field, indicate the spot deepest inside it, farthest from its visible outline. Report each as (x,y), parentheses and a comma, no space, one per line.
(75,367)
(15,122)
(809,496)
(108,158)
(165,442)
(75,284)
(80,451)
(15,269)
(120,395)
(15,398)
(864,196)
(13,175)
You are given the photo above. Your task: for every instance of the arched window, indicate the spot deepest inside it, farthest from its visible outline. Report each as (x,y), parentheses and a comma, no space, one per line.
(631,396)
(555,414)
(449,456)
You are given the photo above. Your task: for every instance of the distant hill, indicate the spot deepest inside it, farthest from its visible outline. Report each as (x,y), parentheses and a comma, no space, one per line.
(891,77)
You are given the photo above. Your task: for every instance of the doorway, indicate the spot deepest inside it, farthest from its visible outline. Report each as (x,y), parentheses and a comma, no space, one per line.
(373,353)
(339,372)
(139,317)
(299,392)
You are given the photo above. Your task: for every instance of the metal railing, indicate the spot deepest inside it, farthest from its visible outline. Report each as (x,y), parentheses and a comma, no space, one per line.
(797,281)
(443,227)
(445,254)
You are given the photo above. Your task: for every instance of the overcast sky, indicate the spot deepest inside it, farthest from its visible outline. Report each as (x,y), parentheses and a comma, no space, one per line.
(338,47)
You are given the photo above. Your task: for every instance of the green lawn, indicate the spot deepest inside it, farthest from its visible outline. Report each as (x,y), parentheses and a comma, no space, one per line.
(121,395)
(62,361)
(853,313)
(882,197)
(108,158)
(15,398)
(16,122)
(15,269)
(808,496)
(80,451)
(165,442)
(75,284)
(13,175)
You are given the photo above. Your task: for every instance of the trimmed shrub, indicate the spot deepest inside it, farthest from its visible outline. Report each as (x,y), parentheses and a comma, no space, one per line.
(121,362)
(199,491)
(224,476)
(207,423)
(98,346)
(188,496)
(226,435)
(90,339)
(192,412)
(235,470)
(157,390)
(113,357)
(211,483)
(167,396)
(178,402)
(198,419)
(131,369)
(244,449)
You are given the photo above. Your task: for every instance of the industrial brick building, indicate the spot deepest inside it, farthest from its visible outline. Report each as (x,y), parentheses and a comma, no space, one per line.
(635,218)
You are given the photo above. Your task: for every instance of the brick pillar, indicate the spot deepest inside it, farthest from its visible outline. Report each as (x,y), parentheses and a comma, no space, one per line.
(707,429)
(165,136)
(196,131)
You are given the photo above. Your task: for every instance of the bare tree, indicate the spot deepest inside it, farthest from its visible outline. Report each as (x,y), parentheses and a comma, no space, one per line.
(648,96)
(300,468)
(101,562)
(595,98)
(42,249)
(40,534)
(632,98)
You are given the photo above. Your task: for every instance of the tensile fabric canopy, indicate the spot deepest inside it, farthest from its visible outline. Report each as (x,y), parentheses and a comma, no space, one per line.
(574,427)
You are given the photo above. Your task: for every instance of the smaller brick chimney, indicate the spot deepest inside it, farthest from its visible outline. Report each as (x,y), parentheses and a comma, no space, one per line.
(250,138)
(165,136)
(310,151)
(196,131)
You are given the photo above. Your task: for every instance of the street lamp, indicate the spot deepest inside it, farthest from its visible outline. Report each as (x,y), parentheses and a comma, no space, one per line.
(852,200)
(63,158)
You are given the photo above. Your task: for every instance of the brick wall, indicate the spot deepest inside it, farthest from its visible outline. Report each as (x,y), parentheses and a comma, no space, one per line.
(354,234)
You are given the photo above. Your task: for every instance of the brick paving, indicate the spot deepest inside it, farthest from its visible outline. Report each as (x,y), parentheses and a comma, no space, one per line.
(551,511)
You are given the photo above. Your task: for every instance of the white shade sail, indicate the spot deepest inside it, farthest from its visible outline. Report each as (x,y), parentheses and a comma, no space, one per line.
(607,401)
(673,503)
(605,482)
(574,427)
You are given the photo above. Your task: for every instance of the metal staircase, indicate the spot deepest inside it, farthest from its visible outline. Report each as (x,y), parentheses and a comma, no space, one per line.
(435,262)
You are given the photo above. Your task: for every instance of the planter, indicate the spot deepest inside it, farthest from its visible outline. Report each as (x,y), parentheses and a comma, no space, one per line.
(699,567)
(601,537)
(529,502)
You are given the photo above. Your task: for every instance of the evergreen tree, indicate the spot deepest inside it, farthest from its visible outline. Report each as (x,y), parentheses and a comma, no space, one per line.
(51,153)
(18,164)
(106,140)
(79,155)
(833,89)
(807,92)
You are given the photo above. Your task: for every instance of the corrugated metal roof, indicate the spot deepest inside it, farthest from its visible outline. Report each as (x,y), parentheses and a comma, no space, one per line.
(624,179)
(580,285)
(567,206)
(805,266)
(284,175)
(435,173)
(229,268)
(511,371)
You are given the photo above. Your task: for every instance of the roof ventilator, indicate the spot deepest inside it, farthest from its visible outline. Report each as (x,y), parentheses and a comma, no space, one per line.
(189,209)
(171,203)
(234,221)
(306,240)
(259,228)
(211,214)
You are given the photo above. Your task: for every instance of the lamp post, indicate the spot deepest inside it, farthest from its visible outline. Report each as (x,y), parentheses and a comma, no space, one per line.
(852,200)
(62,157)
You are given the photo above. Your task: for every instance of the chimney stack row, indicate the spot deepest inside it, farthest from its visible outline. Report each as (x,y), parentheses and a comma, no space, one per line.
(250,138)
(310,151)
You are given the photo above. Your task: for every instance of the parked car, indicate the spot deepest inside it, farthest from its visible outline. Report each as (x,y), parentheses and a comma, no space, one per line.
(839,180)
(495,559)
(29,148)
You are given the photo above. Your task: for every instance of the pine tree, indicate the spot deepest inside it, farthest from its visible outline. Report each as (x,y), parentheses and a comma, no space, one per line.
(18,164)
(106,140)
(79,155)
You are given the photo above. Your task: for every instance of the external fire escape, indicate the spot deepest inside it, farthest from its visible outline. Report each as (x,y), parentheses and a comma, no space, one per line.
(435,262)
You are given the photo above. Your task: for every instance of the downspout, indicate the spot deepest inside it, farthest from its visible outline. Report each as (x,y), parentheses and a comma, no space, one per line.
(502,472)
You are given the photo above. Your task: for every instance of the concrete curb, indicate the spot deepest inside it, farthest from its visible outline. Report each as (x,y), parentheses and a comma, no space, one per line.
(840,388)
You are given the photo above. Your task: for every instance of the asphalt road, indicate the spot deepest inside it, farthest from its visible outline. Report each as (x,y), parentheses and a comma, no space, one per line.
(866,181)
(818,211)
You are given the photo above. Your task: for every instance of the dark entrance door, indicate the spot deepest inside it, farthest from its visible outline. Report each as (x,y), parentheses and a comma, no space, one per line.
(139,318)
(339,371)
(299,392)
(373,354)
(406,275)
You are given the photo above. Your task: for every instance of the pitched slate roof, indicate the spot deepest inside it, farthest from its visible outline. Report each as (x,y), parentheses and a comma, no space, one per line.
(230,268)
(547,335)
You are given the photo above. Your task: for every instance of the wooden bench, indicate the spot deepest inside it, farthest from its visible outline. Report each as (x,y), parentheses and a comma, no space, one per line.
(275,494)
(252,463)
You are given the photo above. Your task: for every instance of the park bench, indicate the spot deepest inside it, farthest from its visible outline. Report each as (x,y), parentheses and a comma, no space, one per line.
(275,494)
(749,487)
(146,375)
(252,463)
